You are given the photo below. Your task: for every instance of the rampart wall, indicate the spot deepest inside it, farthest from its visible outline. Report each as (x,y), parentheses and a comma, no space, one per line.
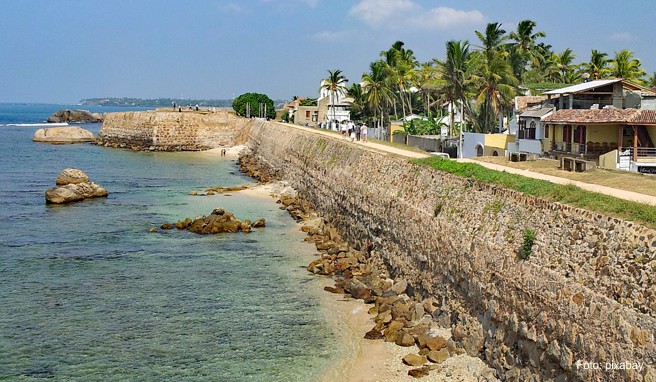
(172,131)
(585,293)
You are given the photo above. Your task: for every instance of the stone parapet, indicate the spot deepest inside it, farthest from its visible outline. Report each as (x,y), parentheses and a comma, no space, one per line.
(584,292)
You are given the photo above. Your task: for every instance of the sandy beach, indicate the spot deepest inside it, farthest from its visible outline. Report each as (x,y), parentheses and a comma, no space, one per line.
(232,152)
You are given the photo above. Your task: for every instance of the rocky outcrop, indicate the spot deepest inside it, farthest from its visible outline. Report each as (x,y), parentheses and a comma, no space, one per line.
(73,186)
(410,322)
(72,134)
(219,221)
(173,131)
(74,116)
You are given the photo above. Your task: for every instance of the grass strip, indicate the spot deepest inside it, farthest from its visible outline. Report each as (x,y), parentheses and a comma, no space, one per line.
(566,194)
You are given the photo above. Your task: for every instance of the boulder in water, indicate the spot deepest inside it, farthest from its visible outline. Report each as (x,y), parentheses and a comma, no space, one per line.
(70,134)
(75,116)
(74,185)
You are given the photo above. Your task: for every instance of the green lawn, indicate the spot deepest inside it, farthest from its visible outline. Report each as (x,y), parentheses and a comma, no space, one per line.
(566,194)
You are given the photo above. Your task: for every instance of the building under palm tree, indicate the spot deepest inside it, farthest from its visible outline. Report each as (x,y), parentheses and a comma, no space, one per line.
(609,122)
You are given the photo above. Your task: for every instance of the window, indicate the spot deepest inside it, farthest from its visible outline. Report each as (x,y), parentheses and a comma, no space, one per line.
(546,131)
(526,133)
(567,133)
(531,131)
(522,128)
(307,114)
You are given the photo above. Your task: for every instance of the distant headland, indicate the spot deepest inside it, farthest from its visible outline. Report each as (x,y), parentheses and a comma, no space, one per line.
(158,102)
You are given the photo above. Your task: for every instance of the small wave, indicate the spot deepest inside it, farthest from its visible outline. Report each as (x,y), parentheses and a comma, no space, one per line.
(38,124)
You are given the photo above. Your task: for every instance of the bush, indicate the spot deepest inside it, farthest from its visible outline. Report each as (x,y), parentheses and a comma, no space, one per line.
(527,246)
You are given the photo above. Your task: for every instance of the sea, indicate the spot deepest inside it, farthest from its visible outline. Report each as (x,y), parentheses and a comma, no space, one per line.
(88,293)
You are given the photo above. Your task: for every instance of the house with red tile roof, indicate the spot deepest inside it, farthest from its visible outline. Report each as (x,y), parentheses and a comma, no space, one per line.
(609,118)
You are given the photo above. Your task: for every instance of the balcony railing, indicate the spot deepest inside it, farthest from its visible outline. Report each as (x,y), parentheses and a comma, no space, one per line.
(644,152)
(570,148)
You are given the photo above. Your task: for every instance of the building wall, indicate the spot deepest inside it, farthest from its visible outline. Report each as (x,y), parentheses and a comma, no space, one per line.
(302,117)
(498,141)
(602,133)
(585,292)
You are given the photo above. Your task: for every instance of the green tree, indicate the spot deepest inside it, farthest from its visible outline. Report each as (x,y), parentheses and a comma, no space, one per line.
(378,94)
(308,102)
(429,82)
(597,67)
(625,66)
(254,105)
(401,64)
(456,73)
(335,84)
(359,103)
(523,49)
(564,69)
(651,80)
(498,84)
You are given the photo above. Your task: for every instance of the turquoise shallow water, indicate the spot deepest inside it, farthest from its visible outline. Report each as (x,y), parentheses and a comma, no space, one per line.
(88,294)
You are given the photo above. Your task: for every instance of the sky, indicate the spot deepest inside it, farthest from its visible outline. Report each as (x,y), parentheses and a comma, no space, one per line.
(61,51)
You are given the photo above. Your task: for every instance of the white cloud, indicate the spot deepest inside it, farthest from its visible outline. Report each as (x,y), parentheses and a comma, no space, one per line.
(230,8)
(406,14)
(622,37)
(310,3)
(446,18)
(330,36)
(376,12)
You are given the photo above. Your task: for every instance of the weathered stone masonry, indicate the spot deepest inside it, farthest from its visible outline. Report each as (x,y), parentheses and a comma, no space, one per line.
(585,293)
(172,131)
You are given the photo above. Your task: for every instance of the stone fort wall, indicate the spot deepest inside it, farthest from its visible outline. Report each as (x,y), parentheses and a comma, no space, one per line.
(585,293)
(172,131)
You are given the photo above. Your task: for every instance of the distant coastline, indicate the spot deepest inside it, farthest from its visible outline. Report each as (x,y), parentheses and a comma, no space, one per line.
(158,102)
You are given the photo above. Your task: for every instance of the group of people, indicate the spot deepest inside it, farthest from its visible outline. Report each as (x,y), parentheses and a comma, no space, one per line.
(354,132)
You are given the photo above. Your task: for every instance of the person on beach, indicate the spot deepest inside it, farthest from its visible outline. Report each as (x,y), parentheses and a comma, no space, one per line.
(352,134)
(357,133)
(343,129)
(363,132)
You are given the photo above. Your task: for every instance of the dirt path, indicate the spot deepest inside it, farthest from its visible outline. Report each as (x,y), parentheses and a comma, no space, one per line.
(371,146)
(622,194)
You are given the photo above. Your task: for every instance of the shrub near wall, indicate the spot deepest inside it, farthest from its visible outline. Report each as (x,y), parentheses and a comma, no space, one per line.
(581,295)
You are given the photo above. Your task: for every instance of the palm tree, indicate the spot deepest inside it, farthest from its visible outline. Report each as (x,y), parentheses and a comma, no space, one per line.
(400,63)
(598,65)
(623,65)
(523,49)
(377,92)
(456,73)
(429,82)
(336,85)
(359,103)
(498,83)
(563,68)
(651,81)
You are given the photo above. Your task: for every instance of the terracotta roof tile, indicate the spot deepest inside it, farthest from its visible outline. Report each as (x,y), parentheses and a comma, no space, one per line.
(524,102)
(644,117)
(592,116)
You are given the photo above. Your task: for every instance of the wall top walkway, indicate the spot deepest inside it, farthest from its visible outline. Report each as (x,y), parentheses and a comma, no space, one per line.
(372,146)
